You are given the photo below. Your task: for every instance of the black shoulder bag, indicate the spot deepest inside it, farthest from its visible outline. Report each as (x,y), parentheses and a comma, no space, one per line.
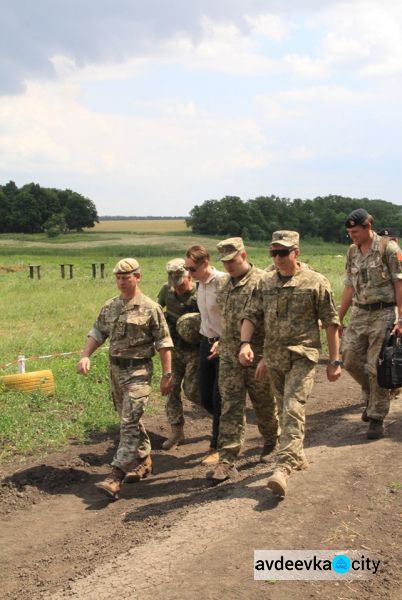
(389,366)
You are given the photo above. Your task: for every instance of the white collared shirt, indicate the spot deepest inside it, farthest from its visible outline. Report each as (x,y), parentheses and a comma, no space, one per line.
(211,319)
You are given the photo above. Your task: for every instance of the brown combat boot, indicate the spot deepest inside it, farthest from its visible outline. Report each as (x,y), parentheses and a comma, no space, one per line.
(175,438)
(267,451)
(111,485)
(375,430)
(222,472)
(277,483)
(141,471)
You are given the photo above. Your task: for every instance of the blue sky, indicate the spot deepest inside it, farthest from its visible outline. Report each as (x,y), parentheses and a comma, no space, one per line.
(149,107)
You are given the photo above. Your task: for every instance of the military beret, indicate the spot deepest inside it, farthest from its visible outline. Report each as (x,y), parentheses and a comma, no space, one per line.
(126,265)
(356,217)
(229,248)
(286,238)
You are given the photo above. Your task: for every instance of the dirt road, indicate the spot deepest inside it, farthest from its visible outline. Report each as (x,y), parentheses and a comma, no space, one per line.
(175,536)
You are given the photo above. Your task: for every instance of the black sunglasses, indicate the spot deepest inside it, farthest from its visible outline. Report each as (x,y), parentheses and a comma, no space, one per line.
(284,252)
(191,269)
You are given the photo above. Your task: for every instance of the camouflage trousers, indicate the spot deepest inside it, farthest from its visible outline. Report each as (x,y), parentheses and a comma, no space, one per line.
(360,346)
(234,383)
(130,390)
(184,369)
(292,389)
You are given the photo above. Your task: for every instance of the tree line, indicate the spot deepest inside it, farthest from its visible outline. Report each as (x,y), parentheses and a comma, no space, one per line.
(35,209)
(256,219)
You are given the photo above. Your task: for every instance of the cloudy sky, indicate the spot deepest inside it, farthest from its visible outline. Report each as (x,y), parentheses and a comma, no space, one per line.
(149,107)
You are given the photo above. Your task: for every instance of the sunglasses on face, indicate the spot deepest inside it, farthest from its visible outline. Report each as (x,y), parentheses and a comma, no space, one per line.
(283,252)
(191,269)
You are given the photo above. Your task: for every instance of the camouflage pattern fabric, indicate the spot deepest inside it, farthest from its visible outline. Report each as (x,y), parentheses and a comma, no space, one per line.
(135,329)
(176,306)
(292,388)
(130,391)
(372,275)
(185,354)
(188,328)
(360,347)
(234,380)
(184,369)
(291,311)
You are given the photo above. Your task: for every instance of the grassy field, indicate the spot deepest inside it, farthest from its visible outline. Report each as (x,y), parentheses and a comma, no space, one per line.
(142,226)
(53,315)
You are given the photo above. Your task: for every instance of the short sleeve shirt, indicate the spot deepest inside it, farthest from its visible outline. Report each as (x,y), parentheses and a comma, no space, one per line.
(372,276)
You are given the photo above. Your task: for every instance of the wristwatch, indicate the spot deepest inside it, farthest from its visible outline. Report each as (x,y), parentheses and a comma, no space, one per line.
(336,363)
(167,375)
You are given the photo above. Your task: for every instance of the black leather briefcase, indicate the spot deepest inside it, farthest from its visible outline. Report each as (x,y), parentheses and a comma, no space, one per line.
(389,366)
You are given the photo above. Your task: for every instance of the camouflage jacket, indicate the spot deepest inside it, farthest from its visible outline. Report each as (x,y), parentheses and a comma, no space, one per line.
(232,298)
(136,328)
(291,311)
(176,306)
(372,275)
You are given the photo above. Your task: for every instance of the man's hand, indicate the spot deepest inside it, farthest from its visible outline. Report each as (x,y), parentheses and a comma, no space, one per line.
(214,353)
(83,365)
(397,330)
(261,371)
(333,372)
(246,355)
(166,384)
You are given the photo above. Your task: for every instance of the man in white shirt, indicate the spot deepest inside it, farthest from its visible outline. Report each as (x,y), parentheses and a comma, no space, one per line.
(197,261)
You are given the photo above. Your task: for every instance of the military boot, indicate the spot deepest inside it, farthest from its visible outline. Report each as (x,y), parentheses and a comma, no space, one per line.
(175,438)
(222,472)
(141,471)
(277,483)
(375,430)
(111,485)
(266,451)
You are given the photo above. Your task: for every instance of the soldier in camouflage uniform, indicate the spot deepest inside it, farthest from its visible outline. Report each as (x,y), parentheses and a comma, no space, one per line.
(291,300)
(373,285)
(235,381)
(136,327)
(178,297)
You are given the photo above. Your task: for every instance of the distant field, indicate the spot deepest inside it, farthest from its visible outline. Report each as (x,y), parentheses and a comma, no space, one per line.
(142,226)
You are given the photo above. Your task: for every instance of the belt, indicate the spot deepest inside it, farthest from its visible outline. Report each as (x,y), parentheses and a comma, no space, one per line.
(127,362)
(210,340)
(375,305)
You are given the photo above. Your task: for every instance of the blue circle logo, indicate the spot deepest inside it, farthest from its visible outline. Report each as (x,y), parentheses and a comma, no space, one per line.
(341,563)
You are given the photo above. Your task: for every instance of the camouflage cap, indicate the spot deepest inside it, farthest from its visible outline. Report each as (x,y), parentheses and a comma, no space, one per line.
(188,327)
(230,247)
(286,238)
(127,265)
(356,217)
(176,271)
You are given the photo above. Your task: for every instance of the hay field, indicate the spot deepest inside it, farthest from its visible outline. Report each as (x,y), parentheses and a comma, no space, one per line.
(142,226)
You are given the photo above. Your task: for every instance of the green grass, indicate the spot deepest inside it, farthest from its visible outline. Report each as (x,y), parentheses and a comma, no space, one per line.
(53,315)
(65,238)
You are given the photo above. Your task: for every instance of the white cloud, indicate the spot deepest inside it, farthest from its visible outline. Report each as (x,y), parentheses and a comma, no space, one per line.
(274,27)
